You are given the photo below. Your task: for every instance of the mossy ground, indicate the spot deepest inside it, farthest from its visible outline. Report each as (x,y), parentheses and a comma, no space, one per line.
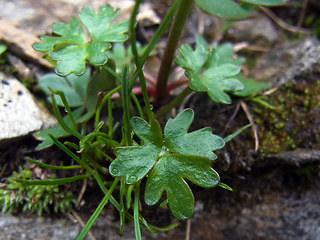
(294,122)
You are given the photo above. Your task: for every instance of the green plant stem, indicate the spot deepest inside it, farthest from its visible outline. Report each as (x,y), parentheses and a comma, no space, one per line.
(115,203)
(173,39)
(83,164)
(95,164)
(112,72)
(106,140)
(98,210)
(125,104)
(162,27)
(128,196)
(67,108)
(137,230)
(60,119)
(102,102)
(73,145)
(98,179)
(122,210)
(175,102)
(110,119)
(133,42)
(136,102)
(59,181)
(44,165)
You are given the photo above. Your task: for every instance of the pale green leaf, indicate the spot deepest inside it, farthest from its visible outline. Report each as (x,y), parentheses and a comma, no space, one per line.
(223,8)
(266,2)
(251,87)
(74,87)
(3,48)
(72,49)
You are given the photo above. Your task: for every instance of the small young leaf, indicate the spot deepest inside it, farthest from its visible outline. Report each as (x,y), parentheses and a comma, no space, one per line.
(71,49)
(170,159)
(215,71)
(124,57)
(3,48)
(193,60)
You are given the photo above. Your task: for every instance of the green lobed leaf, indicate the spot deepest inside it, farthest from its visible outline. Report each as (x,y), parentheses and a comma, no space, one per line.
(216,75)
(169,174)
(170,159)
(71,49)
(201,142)
(193,60)
(135,162)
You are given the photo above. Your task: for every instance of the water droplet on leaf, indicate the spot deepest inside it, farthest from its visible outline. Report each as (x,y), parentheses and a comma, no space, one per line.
(132,179)
(114,171)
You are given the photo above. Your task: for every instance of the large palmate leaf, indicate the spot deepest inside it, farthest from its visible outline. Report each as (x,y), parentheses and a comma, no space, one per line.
(233,9)
(211,70)
(71,48)
(170,159)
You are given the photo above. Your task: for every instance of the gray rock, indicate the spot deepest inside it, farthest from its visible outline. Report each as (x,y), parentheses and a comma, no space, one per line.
(36,228)
(295,61)
(258,30)
(20,114)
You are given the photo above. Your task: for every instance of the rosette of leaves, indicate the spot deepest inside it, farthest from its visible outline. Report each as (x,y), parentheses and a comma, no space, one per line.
(168,160)
(71,48)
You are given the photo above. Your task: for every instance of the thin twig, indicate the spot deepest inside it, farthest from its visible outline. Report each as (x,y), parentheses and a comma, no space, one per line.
(184,102)
(245,108)
(281,23)
(188,230)
(244,45)
(235,112)
(303,13)
(83,189)
(76,218)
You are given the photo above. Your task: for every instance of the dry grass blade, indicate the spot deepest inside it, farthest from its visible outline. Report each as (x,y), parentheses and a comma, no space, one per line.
(281,23)
(245,108)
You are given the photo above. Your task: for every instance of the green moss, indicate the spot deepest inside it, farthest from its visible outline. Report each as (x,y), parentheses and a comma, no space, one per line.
(35,198)
(294,121)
